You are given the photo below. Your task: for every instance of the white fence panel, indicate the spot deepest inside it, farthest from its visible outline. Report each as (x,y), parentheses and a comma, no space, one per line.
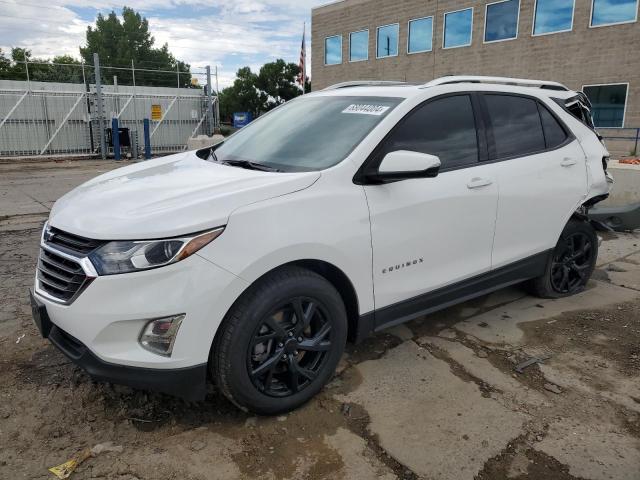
(38,118)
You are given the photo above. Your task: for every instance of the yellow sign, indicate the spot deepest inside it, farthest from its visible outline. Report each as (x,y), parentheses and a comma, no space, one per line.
(156,112)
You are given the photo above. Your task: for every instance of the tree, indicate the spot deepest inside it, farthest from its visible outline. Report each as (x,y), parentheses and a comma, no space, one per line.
(119,42)
(69,72)
(5,66)
(242,96)
(40,70)
(277,80)
(272,86)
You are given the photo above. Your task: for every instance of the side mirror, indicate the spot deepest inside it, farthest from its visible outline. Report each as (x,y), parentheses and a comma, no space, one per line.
(404,165)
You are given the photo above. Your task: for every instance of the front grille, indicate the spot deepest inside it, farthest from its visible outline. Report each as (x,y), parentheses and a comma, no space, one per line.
(60,277)
(71,243)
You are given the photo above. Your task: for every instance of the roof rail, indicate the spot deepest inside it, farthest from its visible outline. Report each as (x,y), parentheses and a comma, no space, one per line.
(365,83)
(521,82)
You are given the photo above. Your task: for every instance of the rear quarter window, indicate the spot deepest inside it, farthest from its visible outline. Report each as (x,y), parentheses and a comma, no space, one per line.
(554,133)
(517,129)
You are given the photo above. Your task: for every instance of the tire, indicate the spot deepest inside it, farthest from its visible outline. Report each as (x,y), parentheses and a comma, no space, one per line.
(571,264)
(264,359)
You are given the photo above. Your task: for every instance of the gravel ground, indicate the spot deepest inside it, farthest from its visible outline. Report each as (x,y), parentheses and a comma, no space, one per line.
(437,398)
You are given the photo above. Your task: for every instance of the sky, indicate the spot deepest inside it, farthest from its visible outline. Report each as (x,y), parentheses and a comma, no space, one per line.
(227,33)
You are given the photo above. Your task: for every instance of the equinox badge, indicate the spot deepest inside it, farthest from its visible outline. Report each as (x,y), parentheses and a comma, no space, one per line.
(403,265)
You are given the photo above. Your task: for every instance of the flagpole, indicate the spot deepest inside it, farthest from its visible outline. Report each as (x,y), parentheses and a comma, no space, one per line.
(304,65)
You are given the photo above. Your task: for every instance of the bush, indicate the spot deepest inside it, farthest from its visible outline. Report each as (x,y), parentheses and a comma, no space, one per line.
(226,130)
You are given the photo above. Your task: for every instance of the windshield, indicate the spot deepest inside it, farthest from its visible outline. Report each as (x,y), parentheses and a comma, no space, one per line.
(310,133)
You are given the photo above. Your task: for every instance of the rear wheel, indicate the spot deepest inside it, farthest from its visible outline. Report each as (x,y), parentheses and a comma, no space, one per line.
(571,264)
(281,342)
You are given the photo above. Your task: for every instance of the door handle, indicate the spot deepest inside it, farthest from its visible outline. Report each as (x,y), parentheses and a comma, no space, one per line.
(567,162)
(477,182)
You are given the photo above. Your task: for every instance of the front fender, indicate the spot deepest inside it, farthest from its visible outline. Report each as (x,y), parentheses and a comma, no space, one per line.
(306,225)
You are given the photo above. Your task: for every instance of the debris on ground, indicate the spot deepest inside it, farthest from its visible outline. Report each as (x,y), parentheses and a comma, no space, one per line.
(67,468)
(197,445)
(531,361)
(612,267)
(630,161)
(552,388)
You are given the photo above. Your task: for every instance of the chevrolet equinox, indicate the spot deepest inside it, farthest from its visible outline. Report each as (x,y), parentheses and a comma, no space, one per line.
(343,212)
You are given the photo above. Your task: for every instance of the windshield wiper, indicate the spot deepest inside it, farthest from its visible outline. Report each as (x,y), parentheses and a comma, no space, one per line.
(250,165)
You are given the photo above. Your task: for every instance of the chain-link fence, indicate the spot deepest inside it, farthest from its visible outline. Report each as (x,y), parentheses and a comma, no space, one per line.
(41,118)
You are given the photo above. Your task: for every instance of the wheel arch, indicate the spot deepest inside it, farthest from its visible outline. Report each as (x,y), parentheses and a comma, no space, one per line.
(342,284)
(336,277)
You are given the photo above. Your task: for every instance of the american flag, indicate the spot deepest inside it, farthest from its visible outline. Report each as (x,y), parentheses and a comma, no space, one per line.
(303,60)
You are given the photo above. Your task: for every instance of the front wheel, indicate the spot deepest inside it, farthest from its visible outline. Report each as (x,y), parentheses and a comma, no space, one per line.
(280,342)
(571,264)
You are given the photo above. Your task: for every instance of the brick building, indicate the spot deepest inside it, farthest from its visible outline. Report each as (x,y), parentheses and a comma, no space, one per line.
(590,45)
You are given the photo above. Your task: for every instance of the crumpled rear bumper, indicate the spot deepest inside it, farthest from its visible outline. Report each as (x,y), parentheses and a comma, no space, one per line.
(622,218)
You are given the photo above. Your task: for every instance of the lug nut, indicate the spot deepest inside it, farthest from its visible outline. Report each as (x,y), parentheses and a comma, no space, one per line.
(291,334)
(280,345)
(284,357)
(295,352)
(299,339)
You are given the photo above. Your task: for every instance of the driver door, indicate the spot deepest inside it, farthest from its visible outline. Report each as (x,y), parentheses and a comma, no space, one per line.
(429,233)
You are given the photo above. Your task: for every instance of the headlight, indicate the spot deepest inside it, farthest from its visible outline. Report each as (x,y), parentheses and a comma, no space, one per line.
(130,256)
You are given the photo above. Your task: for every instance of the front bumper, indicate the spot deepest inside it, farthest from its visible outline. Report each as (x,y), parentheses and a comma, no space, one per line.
(100,330)
(187,383)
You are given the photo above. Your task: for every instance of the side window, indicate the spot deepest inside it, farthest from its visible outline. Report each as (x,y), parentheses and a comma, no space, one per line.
(517,129)
(444,127)
(554,133)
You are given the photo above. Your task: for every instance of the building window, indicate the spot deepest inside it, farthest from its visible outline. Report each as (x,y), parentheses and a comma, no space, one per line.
(458,28)
(387,44)
(333,50)
(609,102)
(610,12)
(501,21)
(359,46)
(420,35)
(553,16)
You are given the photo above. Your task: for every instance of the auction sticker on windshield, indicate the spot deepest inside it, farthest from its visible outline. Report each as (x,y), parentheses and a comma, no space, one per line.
(364,109)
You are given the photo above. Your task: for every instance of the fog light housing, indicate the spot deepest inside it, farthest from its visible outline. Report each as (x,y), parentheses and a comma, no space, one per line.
(159,334)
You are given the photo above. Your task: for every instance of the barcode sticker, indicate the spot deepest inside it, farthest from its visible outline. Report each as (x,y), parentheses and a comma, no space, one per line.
(364,109)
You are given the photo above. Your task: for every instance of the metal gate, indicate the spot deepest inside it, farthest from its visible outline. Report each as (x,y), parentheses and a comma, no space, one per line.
(50,119)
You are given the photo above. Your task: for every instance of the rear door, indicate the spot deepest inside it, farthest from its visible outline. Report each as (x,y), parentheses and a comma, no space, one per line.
(541,175)
(431,232)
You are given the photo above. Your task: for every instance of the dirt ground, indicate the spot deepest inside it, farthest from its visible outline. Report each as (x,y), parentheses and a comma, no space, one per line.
(438,398)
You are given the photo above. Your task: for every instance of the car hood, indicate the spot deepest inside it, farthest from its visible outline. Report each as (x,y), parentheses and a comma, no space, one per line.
(175,195)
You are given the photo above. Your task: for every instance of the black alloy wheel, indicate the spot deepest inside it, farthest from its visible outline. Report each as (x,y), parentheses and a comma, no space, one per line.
(572,262)
(280,342)
(289,347)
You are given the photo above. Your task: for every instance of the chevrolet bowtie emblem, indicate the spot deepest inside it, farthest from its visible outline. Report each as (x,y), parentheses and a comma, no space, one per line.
(48,235)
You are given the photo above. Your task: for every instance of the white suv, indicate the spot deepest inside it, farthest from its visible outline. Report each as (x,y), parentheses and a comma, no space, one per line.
(338,214)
